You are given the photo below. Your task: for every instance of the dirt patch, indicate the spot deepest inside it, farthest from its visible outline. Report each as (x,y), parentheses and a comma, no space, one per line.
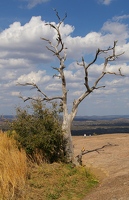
(111,165)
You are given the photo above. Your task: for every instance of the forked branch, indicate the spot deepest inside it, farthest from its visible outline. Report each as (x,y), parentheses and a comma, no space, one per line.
(108,59)
(59,47)
(60,21)
(58,50)
(83,151)
(97,149)
(34,86)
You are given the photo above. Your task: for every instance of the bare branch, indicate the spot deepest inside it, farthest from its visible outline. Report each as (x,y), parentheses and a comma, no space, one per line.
(28,98)
(55,75)
(120,72)
(45,39)
(89,89)
(116,73)
(112,57)
(51,25)
(83,151)
(98,149)
(59,16)
(42,99)
(103,86)
(96,56)
(51,50)
(97,81)
(46,98)
(110,48)
(86,73)
(55,68)
(58,50)
(34,86)
(59,47)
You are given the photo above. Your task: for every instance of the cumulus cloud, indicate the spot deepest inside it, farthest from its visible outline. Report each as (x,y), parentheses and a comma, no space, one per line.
(34,77)
(24,58)
(115,28)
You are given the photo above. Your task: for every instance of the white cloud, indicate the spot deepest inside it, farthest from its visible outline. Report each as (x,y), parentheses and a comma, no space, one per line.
(53,87)
(118,82)
(8,76)
(105,2)
(77,93)
(15,93)
(74,66)
(83,45)
(115,28)
(25,41)
(108,91)
(33,3)
(72,76)
(24,58)
(120,18)
(13,63)
(34,77)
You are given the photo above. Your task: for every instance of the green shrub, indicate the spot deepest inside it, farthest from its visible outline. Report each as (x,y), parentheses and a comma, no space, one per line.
(38,131)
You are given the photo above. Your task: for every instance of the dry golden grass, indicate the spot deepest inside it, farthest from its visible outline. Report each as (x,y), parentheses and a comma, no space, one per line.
(13,169)
(20,179)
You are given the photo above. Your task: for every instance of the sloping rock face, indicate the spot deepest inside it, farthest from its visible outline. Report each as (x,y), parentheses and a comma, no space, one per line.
(111,164)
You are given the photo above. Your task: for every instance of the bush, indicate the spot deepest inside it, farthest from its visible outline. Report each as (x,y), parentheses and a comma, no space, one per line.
(38,131)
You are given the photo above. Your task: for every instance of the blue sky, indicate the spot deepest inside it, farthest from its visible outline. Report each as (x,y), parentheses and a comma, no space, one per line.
(90,24)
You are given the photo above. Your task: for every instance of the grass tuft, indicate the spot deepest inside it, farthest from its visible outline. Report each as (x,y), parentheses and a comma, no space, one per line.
(59,181)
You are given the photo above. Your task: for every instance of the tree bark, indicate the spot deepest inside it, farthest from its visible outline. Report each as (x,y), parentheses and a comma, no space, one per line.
(66,128)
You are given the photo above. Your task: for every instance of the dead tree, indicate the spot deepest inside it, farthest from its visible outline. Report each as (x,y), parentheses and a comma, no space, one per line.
(60,51)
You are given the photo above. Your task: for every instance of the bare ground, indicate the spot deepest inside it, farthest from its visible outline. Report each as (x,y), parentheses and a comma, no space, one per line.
(111,165)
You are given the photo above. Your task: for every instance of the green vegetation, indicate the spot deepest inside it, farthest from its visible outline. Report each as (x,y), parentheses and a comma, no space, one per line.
(36,136)
(39,171)
(59,181)
(38,131)
(22,179)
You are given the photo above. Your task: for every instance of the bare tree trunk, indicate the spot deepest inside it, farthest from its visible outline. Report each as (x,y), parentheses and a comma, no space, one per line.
(66,128)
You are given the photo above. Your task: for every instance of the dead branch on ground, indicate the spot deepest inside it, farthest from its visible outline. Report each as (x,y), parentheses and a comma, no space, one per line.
(98,149)
(83,151)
